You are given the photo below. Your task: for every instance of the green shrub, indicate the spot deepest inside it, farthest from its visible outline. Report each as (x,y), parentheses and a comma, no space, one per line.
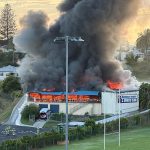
(124,123)
(31,109)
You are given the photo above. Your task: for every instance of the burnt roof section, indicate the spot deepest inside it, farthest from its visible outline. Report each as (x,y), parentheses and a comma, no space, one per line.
(89,93)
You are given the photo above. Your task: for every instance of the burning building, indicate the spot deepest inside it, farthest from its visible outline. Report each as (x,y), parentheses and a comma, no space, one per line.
(91,102)
(91,64)
(80,102)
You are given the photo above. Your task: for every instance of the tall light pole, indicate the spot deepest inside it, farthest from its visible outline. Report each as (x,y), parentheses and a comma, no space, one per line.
(67,39)
(119,114)
(104,126)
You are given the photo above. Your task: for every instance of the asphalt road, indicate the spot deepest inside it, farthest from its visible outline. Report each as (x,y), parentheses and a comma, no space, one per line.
(13,132)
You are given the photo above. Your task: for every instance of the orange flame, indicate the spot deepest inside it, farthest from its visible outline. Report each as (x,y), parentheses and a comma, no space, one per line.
(61,98)
(114,85)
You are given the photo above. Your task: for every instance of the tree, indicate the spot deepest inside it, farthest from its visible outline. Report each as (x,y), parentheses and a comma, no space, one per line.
(7,22)
(10,84)
(143,41)
(131,59)
(144,96)
(31,109)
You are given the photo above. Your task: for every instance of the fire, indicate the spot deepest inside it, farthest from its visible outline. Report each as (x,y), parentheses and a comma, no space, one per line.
(61,98)
(114,85)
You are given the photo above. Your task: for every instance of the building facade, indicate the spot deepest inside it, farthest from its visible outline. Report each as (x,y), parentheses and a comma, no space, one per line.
(91,102)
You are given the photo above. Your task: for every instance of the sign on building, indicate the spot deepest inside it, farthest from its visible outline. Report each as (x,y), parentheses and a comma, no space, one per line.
(128,98)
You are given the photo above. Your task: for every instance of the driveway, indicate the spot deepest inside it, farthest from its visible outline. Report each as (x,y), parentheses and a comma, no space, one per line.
(39,123)
(15,117)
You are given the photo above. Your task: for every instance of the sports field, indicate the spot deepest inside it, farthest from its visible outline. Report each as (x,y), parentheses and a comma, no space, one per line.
(136,139)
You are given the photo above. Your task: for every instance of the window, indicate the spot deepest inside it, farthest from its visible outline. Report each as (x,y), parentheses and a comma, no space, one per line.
(1,74)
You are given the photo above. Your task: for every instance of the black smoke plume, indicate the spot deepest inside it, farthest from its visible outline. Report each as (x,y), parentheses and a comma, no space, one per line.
(91,63)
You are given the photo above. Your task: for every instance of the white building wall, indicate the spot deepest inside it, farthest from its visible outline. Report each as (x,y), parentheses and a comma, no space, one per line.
(84,109)
(97,109)
(91,108)
(110,103)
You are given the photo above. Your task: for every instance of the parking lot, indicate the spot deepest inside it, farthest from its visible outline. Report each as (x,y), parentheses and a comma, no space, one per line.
(13,131)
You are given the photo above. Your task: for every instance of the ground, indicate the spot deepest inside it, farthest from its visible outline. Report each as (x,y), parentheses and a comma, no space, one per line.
(136,139)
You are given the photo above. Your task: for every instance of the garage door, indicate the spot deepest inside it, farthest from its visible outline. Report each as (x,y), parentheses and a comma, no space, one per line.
(43,106)
(54,108)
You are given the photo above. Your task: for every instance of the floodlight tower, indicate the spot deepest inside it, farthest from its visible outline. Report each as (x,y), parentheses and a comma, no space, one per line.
(67,39)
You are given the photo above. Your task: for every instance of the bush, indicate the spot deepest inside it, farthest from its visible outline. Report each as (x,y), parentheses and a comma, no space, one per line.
(80,133)
(90,122)
(124,123)
(58,117)
(137,119)
(31,109)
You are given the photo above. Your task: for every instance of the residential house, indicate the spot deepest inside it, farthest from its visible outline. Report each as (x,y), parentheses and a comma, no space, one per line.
(6,71)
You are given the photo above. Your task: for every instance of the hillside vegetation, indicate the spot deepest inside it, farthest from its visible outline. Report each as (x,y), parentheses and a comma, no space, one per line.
(141,70)
(10,93)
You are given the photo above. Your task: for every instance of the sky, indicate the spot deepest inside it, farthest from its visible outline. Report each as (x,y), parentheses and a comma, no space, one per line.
(129,33)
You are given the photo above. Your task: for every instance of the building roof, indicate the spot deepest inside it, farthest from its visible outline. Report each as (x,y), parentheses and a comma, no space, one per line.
(9,68)
(51,93)
(90,93)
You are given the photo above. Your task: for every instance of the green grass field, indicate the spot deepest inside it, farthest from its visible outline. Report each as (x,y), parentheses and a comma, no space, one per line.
(136,139)
(51,124)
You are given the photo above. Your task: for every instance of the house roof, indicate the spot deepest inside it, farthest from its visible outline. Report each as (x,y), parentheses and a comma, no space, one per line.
(9,68)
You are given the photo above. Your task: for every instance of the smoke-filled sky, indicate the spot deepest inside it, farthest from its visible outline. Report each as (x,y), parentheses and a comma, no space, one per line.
(129,32)
(92,63)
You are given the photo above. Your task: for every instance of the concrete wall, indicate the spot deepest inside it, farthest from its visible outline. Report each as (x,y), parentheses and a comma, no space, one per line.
(79,108)
(91,108)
